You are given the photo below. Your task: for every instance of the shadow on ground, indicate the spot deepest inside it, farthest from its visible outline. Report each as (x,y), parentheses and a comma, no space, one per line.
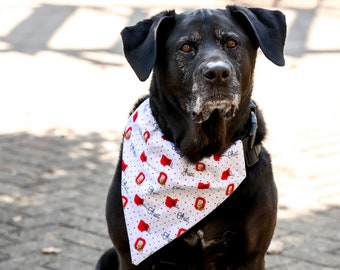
(52,194)
(33,33)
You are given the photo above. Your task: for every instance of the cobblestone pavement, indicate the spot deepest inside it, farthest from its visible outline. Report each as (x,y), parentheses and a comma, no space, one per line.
(65,94)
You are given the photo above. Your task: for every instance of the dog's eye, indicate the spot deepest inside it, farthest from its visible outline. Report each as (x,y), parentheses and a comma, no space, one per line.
(186,48)
(231,43)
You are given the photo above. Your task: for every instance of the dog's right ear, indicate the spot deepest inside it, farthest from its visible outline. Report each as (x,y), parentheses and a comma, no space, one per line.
(140,43)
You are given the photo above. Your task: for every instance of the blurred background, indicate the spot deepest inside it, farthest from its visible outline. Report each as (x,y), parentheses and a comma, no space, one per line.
(65,94)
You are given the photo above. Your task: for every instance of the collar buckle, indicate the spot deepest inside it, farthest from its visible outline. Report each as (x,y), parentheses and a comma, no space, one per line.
(251,151)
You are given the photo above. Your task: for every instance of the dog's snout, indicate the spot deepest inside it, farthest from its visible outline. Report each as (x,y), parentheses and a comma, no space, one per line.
(216,72)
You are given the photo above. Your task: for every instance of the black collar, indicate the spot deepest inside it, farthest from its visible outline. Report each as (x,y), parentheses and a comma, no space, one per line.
(251,151)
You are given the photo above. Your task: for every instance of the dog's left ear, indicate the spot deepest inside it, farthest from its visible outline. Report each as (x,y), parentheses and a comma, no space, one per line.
(269,27)
(140,44)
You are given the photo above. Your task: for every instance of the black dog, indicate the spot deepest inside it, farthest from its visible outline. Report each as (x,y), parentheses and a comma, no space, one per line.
(200,96)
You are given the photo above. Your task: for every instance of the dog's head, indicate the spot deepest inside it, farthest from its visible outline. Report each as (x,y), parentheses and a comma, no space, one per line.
(204,59)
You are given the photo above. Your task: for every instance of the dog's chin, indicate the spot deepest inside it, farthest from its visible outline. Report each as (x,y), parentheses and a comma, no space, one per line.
(224,109)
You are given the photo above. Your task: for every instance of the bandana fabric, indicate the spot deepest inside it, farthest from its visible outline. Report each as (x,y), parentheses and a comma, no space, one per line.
(163,195)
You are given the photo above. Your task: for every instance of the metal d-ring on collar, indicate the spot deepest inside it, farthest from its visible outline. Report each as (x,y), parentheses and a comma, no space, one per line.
(251,151)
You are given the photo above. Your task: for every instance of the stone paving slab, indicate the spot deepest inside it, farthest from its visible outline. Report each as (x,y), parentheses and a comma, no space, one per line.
(66,91)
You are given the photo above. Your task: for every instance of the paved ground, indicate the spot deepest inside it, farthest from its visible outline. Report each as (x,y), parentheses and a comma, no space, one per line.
(66,90)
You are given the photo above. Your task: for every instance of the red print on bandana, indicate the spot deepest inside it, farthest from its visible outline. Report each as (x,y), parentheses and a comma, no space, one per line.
(124,166)
(124,201)
(200,166)
(143,157)
(165,161)
(170,202)
(225,174)
(203,185)
(140,178)
(138,200)
(140,244)
(143,226)
(230,189)
(181,231)
(146,136)
(217,157)
(200,203)
(127,134)
(135,115)
(162,178)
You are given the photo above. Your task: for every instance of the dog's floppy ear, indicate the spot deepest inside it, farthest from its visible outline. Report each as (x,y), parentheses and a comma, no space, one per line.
(270,29)
(140,44)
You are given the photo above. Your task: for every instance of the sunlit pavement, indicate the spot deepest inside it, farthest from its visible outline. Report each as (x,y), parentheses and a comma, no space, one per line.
(66,91)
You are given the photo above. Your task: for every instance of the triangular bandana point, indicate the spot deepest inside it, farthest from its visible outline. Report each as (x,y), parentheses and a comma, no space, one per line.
(163,195)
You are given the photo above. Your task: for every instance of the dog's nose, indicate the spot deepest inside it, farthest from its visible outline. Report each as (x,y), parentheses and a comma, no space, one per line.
(216,72)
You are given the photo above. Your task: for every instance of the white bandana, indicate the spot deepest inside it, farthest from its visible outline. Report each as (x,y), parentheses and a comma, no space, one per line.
(163,194)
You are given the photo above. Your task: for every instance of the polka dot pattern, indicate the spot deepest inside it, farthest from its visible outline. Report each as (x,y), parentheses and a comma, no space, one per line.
(163,195)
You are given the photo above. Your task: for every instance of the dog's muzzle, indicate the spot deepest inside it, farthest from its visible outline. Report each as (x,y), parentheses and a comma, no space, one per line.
(224,108)
(215,89)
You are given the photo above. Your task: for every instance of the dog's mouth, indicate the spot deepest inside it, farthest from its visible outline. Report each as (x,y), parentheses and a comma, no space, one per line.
(226,108)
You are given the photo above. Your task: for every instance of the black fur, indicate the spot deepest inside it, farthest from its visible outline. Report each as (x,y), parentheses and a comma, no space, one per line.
(219,65)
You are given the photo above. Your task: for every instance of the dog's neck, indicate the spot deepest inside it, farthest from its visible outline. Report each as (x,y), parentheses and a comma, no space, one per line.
(196,141)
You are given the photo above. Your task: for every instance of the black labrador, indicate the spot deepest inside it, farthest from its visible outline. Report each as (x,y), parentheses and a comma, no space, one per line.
(200,96)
